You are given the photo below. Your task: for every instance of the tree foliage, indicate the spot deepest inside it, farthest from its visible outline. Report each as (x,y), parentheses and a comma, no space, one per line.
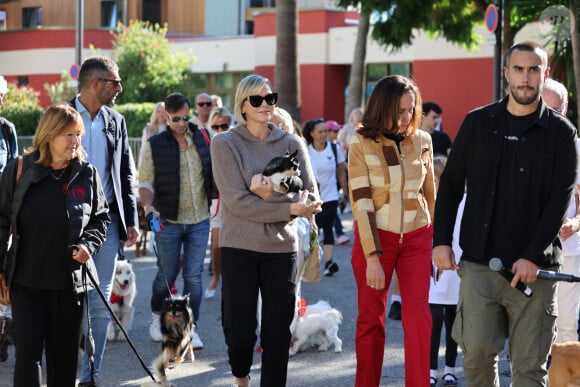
(149,66)
(395,21)
(61,91)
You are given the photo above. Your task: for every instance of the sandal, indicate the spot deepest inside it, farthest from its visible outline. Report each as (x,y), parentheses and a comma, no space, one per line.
(433,381)
(449,380)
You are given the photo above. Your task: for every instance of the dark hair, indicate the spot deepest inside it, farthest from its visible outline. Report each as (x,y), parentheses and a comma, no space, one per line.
(382,112)
(428,106)
(94,67)
(309,127)
(527,46)
(175,101)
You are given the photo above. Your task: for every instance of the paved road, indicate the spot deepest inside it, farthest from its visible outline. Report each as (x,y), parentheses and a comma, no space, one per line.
(310,368)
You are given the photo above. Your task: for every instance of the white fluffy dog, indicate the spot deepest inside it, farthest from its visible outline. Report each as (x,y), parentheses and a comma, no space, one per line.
(123,297)
(320,323)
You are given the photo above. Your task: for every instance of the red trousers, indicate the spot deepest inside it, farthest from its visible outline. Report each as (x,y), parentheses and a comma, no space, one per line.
(412,262)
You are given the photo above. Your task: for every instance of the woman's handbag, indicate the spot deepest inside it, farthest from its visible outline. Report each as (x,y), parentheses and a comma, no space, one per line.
(311,265)
(4,291)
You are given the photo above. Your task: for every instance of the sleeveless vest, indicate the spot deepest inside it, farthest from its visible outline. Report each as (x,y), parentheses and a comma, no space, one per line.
(165,154)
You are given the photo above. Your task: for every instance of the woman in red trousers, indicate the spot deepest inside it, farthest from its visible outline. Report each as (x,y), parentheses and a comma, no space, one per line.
(392,189)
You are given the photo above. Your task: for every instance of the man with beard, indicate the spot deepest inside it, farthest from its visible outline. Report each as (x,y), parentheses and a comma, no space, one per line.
(107,145)
(517,158)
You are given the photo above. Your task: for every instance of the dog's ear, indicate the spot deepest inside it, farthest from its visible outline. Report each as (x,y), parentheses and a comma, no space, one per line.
(186,297)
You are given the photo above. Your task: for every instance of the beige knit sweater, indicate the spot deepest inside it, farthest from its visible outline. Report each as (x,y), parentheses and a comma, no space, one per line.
(249,222)
(390,190)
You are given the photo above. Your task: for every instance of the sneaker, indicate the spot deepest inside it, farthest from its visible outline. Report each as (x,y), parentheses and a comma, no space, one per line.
(449,380)
(330,268)
(155,328)
(433,381)
(395,312)
(196,341)
(343,239)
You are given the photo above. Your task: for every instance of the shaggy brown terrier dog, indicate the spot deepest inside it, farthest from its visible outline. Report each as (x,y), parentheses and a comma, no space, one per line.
(564,368)
(177,328)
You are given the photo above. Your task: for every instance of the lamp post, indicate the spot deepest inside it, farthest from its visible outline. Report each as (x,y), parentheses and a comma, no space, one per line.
(79,31)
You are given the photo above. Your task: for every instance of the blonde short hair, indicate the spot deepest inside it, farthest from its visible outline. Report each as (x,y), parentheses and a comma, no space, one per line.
(285,119)
(219,112)
(250,85)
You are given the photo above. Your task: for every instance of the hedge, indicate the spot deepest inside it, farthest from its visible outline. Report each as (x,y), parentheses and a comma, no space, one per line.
(26,119)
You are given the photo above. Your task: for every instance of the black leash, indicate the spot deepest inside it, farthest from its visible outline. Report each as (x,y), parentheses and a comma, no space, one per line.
(105,301)
(162,271)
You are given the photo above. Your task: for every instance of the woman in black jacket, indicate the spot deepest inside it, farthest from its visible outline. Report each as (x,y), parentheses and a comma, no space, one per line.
(56,213)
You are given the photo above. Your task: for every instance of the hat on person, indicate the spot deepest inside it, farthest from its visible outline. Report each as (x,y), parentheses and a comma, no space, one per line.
(332,125)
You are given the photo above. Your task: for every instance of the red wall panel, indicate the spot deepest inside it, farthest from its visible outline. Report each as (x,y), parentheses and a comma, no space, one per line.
(457,85)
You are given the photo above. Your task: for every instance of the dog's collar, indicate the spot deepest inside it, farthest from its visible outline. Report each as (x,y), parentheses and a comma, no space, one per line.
(115,298)
(301,307)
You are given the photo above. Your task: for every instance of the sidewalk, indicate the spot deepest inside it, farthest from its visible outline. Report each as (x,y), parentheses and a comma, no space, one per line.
(311,368)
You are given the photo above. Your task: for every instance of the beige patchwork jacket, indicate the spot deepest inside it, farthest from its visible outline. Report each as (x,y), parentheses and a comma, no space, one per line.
(390,190)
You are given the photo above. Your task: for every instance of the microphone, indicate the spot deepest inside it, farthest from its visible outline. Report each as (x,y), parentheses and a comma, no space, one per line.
(555,276)
(495,264)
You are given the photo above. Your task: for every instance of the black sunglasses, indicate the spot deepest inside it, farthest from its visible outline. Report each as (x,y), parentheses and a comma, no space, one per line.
(177,118)
(202,104)
(115,82)
(222,127)
(256,100)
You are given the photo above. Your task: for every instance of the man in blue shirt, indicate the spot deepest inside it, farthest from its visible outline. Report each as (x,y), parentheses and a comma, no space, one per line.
(108,150)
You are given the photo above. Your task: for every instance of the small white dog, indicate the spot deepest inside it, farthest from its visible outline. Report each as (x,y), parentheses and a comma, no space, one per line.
(320,323)
(123,297)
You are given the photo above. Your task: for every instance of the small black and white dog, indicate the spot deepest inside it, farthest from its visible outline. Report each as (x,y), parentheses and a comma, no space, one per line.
(177,328)
(284,171)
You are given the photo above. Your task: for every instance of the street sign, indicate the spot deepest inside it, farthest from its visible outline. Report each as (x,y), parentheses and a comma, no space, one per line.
(491,39)
(74,71)
(491,18)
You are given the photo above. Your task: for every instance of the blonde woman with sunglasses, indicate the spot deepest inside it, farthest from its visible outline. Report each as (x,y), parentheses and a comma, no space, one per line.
(258,238)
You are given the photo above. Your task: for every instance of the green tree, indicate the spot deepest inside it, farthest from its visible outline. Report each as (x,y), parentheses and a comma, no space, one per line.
(394,21)
(149,66)
(61,91)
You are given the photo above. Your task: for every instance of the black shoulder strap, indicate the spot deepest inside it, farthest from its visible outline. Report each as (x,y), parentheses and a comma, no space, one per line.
(8,138)
(333,146)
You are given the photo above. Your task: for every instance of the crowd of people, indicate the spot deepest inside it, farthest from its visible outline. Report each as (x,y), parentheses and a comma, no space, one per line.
(427,212)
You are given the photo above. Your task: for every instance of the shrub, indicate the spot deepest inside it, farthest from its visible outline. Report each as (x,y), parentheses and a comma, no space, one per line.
(22,108)
(137,115)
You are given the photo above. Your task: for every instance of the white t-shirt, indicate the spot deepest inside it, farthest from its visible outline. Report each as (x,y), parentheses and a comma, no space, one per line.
(571,246)
(446,290)
(324,167)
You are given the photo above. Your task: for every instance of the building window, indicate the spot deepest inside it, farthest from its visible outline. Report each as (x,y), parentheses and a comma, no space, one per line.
(376,71)
(2,20)
(222,84)
(263,3)
(32,17)
(23,80)
(152,11)
(111,13)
